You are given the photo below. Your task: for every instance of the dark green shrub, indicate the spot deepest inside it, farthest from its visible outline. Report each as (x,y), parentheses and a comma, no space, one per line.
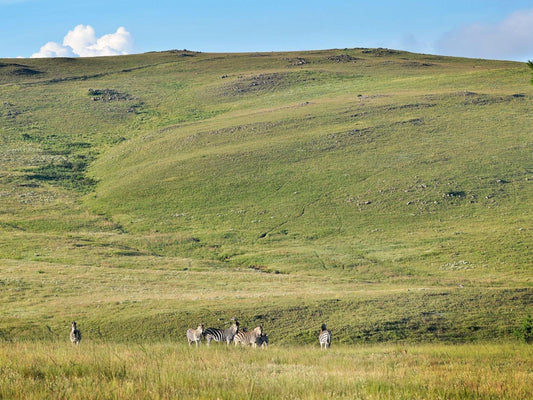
(524,332)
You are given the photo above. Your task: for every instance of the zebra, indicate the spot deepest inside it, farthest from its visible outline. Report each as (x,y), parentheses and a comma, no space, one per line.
(249,338)
(262,341)
(194,335)
(75,334)
(221,335)
(324,338)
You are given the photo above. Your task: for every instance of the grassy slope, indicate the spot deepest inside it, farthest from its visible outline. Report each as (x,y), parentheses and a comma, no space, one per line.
(387,193)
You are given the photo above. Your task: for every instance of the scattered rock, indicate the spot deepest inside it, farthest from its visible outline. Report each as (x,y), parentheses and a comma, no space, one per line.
(256,83)
(297,61)
(455,193)
(343,58)
(380,52)
(107,95)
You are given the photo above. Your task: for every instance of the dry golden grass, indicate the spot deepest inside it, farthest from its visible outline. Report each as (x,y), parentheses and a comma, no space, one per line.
(168,371)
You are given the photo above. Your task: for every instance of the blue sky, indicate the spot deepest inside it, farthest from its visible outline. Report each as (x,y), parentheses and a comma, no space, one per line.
(496,29)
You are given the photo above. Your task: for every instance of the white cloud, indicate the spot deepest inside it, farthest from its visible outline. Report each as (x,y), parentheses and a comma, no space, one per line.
(82,42)
(511,38)
(52,49)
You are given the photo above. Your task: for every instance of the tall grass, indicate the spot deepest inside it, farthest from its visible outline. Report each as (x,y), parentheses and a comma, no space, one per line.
(169,370)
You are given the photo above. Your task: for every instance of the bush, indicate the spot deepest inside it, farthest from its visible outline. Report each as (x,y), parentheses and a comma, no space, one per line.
(524,332)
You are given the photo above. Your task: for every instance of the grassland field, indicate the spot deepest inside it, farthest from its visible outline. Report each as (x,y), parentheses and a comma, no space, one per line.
(385,193)
(168,370)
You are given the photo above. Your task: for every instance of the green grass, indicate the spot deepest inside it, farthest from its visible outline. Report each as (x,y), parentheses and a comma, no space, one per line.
(385,193)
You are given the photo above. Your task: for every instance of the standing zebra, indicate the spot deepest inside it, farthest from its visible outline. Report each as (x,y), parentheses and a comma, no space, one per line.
(194,335)
(324,338)
(75,334)
(222,335)
(249,338)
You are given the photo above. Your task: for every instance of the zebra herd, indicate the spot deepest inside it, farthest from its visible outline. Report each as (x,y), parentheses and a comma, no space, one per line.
(255,338)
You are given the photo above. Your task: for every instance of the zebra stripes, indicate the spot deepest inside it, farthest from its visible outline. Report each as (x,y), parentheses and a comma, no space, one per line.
(324,338)
(222,335)
(195,335)
(75,334)
(249,338)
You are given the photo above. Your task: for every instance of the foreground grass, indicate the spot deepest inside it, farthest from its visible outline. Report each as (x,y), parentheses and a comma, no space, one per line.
(45,370)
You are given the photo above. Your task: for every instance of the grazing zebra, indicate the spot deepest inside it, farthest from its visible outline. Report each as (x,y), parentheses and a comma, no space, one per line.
(262,341)
(222,335)
(324,337)
(248,338)
(194,335)
(75,334)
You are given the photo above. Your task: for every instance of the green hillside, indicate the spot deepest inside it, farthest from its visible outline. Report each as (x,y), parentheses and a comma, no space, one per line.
(384,192)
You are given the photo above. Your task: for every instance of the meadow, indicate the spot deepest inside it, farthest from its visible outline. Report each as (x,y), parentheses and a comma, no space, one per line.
(385,193)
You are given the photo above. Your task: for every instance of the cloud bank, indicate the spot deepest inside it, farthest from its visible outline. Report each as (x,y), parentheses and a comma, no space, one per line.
(82,42)
(511,38)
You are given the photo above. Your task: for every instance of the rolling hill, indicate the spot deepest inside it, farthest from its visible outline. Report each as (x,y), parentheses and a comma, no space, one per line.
(386,192)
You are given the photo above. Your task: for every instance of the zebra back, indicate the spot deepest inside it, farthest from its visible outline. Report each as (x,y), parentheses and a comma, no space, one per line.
(324,338)
(221,335)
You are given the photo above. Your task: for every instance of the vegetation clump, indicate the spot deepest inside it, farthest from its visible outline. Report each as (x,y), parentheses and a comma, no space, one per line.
(524,332)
